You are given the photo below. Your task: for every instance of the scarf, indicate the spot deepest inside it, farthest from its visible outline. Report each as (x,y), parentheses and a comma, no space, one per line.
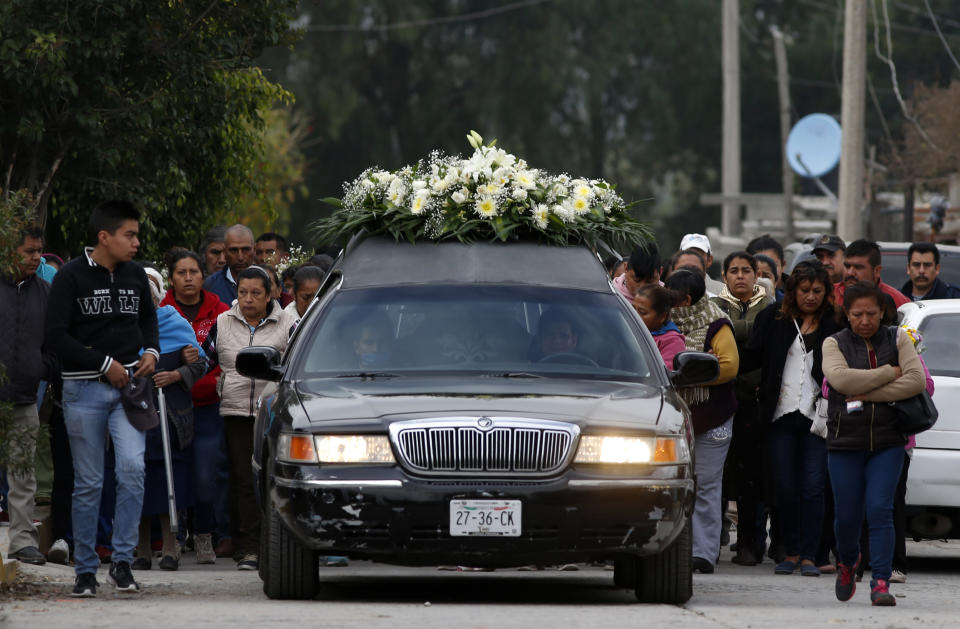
(693,321)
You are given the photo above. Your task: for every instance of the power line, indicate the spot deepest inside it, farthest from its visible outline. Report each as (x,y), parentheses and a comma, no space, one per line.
(912,9)
(888,59)
(392,26)
(933,19)
(906,28)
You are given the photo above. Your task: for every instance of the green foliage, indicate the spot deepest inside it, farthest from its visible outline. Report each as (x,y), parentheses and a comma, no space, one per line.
(622,90)
(153,101)
(492,195)
(277,177)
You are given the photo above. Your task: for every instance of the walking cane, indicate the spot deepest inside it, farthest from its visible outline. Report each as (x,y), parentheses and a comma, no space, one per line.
(167,461)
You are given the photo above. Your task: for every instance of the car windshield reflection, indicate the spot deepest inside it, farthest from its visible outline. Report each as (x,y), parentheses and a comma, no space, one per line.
(504,331)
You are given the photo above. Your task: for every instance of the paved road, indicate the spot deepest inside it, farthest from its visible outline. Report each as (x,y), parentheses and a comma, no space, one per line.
(370,595)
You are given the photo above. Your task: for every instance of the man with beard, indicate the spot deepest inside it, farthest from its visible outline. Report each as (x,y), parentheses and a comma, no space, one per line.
(923,267)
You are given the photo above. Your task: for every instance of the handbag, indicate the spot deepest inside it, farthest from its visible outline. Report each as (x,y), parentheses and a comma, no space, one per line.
(915,414)
(818,426)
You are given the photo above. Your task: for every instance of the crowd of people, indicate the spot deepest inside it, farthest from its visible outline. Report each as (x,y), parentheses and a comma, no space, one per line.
(86,338)
(796,429)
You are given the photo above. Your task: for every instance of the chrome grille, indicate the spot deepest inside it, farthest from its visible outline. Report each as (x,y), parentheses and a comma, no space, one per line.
(507,447)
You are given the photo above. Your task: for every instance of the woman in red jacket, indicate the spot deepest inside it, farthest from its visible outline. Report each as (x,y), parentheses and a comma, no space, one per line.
(200,308)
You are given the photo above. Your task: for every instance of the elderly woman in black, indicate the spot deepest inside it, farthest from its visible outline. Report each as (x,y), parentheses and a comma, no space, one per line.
(867,366)
(785,344)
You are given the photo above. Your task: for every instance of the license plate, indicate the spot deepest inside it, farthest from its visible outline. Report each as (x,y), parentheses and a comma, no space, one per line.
(485,518)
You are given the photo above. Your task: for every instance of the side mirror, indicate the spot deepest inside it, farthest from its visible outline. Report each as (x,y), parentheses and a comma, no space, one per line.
(693,368)
(262,363)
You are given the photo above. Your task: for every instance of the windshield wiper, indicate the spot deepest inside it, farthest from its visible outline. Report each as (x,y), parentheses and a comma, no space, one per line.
(513,374)
(367,374)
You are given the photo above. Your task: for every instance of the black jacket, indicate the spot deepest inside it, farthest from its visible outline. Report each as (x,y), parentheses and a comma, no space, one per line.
(770,340)
(939,290)
(95,316)
(22,308)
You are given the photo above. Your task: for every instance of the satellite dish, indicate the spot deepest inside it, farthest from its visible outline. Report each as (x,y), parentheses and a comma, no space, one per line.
(813,146)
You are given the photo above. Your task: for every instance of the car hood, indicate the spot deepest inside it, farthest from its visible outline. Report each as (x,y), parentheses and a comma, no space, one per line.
(372,404)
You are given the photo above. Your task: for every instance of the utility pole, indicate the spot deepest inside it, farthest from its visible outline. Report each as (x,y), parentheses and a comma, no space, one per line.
(783,88)
(852,104)
(731,117)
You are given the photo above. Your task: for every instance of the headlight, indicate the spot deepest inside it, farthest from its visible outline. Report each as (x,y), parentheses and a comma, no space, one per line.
(354,449)
(303,448)
(632,450)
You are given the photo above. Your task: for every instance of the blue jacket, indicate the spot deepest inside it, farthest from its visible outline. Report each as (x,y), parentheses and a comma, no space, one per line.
(219,285)
(939,290)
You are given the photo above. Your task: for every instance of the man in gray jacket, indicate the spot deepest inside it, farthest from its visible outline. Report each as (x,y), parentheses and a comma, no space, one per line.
(23,304)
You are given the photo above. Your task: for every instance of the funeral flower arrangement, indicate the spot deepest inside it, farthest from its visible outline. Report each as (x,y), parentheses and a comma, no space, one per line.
(915,337)
(491,195)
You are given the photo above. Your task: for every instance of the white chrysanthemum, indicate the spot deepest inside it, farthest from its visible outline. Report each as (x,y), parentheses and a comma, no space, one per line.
(489,189)
(420,201)
(518,194)
(582,189)
(579,205)
(526,179)
(540,215)
(486,207)
(565,214)
(417,185)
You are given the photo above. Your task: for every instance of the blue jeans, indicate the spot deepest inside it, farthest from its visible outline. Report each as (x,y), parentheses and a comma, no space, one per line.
(90,410)
(208,457)
(865,481)
(798,463)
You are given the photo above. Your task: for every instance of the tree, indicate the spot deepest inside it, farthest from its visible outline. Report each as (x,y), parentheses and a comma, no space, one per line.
(156,102)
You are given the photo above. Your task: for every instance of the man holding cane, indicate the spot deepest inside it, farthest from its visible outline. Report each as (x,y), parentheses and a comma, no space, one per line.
(100,315)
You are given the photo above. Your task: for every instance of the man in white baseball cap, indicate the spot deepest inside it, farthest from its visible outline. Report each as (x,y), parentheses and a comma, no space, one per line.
(701,242)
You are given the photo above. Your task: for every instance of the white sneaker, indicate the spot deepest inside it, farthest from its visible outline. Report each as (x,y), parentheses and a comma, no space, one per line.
(897,577)
(59,552)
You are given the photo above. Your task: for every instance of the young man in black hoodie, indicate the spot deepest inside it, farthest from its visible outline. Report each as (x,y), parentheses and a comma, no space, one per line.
(100,316)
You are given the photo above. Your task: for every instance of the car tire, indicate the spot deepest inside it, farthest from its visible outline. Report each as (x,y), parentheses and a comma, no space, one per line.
(667,577)
(263,556)
(291,571)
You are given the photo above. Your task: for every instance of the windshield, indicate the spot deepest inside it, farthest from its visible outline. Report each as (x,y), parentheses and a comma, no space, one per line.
(491,330)
(942,345)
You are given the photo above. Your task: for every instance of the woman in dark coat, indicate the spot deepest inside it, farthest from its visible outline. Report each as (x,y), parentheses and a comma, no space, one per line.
(786,344)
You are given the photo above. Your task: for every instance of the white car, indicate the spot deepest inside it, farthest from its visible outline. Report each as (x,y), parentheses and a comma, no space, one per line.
(933,482)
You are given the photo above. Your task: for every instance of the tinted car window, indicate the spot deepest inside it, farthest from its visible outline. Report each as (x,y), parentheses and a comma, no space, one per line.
(460,329)
(942,343)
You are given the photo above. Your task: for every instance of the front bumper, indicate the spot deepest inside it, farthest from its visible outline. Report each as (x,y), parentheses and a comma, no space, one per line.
(386,515)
